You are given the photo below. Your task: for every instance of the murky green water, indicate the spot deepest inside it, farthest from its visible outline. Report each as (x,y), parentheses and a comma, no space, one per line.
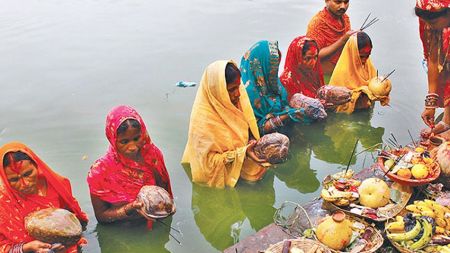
(64,64)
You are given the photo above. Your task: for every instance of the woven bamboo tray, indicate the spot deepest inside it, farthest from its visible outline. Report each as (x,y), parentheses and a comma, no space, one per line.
(306,245)
(384,213)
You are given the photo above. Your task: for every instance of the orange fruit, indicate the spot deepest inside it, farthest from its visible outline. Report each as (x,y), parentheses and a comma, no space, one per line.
(404,173)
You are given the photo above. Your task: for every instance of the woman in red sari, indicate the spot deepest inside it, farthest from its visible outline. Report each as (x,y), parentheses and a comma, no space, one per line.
(27,184)
(434,23)
(131,162)
(302,70)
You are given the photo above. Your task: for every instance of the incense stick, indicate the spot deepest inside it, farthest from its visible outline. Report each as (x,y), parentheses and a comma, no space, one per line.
(365,21)
(388,75)
(350,160)
(410,135)
(395,139)
(160,221)
(373,21)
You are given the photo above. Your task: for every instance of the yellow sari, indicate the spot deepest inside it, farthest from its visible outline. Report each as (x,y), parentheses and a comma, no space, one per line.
(219,133)
(351,73)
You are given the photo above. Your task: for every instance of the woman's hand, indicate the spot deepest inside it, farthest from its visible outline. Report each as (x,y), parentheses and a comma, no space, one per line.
(428,116)
(251,152)
(36,246)
(131,207)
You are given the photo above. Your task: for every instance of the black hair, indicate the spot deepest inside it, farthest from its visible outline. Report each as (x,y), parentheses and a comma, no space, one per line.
(430,15)
(363,40)
(127,124)
(16,157)
(231,73)
(309,44)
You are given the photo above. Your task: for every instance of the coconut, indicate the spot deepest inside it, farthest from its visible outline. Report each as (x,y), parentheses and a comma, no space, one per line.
(272,147)
(334,95)
(54,225)
(311,106)
(443,158)
(157,202)
(379,86)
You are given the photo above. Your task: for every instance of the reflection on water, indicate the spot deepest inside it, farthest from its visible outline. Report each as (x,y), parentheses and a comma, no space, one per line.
(222,215)
(133,237)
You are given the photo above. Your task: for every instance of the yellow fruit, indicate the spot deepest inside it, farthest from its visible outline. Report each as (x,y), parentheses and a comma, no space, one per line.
(335,231)
(404,173)
(419,150)
(396,227)
(413,208)
(389,163)
(374,193)
(419,171)
(428,160)
(440,230)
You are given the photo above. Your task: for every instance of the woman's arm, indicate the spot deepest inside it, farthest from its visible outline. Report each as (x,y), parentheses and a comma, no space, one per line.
(433,79)
(106,213)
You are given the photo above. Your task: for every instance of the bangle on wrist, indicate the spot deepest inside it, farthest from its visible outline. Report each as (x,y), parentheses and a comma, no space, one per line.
(17,248)
(431,101)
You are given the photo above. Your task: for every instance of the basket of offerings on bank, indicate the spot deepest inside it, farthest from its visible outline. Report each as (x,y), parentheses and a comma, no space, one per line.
(54,225)
(423,226)
(364,195)
(300,245)
(409,166)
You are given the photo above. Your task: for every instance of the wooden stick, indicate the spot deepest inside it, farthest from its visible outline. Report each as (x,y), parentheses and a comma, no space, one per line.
(388,75)
(410,135)
(365,21)
(350,160)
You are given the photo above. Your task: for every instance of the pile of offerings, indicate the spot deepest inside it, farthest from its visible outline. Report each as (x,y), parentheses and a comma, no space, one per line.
(273,148)
(313,107)
(334,95)
(157,202)
(54,225)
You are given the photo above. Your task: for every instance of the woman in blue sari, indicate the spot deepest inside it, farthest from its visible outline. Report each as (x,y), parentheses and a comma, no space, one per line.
(259,73)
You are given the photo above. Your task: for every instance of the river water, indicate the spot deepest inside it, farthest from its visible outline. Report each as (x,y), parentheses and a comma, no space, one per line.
(64,64)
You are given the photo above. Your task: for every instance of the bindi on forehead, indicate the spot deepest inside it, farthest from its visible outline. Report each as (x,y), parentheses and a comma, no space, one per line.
(366,50)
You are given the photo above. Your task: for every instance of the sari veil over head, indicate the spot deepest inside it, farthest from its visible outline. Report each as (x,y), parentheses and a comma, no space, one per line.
(297,80)
(16,206)
(259,72)
(117,179)
(219,133)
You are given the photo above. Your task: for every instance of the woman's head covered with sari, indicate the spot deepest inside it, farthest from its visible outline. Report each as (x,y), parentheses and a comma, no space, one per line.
(219,132)
(15,205)
(268,97)
(117,179)
(351,70)
(298,78)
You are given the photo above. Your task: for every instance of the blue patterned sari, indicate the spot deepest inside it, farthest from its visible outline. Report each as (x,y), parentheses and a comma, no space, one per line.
(259,73)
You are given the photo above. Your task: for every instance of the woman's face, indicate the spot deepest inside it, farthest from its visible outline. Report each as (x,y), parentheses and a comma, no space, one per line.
(364,54)
(309,59)
(23,176)
(130,142)
(233,91)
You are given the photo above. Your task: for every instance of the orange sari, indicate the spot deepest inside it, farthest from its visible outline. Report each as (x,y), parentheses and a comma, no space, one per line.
(16,206)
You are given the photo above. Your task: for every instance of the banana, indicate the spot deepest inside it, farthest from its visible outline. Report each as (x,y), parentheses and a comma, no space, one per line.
(437,208)
(426,236)
(327,196)
(413,208)
(397,237)
(441,222)
(440,230)
(396,227)
(428,213)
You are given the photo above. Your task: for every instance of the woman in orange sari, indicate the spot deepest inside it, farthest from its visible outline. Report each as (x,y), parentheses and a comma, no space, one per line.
(27,184)
(434,24)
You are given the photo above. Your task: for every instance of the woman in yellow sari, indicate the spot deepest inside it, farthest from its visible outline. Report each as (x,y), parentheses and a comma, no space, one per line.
(223,130)
(354,70)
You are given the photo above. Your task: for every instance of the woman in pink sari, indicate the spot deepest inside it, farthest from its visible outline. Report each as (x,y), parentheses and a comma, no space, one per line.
(131,162)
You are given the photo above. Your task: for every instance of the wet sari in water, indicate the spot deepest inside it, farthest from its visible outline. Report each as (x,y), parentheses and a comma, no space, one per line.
(16,206)
(259,73)
(352,74)
(219,133)
(116,179)
(297,80)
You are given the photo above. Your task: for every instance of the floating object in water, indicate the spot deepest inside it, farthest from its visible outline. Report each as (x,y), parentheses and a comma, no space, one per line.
(273,147)
(313,108)
(334,95)
(54,225)
(157,202)
(184,84)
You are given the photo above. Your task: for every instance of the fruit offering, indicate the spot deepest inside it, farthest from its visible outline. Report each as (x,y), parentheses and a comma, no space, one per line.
(341,189)
(374,193)
(424,228)
(410,166)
